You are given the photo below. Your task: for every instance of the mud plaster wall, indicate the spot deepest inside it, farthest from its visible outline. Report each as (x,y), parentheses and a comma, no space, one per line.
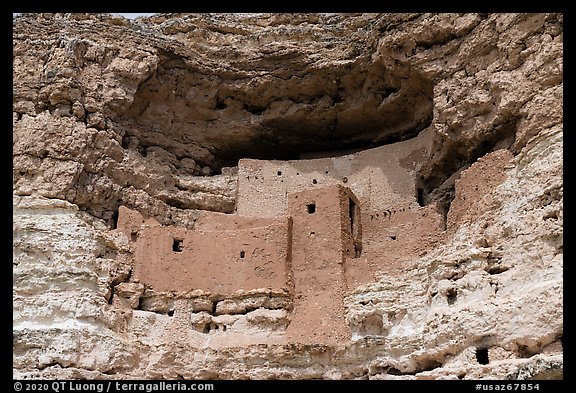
(395,227)
(329,244)
(306,251)
(473,188)
(218,261)
(393,236)
(129,222)
(381,178)
(222,221)
(320,241)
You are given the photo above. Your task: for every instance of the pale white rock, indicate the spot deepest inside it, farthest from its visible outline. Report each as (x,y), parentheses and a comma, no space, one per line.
(146,113)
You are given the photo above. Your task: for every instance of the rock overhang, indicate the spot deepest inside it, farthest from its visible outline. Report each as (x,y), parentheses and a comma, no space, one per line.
(256,99)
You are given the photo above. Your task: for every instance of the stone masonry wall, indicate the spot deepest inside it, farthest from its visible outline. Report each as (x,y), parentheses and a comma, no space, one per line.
(223,262)
(381,177)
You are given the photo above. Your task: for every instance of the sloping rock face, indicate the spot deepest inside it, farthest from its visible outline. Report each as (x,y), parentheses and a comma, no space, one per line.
(154,114)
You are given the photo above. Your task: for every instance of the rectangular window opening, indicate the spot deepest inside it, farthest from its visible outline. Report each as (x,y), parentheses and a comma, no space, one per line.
(352,215)
(177,245)
(114,220)
(482,356)
(311,208)
(420,196)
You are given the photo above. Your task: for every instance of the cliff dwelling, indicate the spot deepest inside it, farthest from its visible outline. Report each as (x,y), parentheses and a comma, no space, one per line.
(304,233)
(288,196)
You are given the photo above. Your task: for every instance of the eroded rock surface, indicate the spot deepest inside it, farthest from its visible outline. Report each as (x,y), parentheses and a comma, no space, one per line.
(447,127)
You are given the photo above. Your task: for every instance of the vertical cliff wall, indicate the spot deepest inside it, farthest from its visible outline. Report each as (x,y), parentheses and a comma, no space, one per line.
(154,114)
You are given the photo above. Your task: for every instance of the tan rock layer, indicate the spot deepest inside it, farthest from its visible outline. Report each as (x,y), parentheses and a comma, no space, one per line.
(110,112)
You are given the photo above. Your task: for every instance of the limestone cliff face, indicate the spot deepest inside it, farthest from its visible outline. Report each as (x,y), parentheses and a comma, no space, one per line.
(154,114)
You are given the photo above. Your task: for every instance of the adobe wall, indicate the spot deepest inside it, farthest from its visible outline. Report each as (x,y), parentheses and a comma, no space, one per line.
(129,222)
(381,177)
(215,221)
(473,190)
(394,236)
(320,240)
(217,261)
(395,229)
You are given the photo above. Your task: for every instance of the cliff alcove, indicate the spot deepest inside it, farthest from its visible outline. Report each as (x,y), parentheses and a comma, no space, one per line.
(275,105)
(304,196)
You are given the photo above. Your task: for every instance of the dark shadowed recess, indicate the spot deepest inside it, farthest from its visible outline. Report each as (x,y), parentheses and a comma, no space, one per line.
(436,179)
(218,118)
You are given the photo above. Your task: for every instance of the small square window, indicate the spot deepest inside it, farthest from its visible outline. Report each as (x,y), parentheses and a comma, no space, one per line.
(482,356)
(177,245)
(311,208)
